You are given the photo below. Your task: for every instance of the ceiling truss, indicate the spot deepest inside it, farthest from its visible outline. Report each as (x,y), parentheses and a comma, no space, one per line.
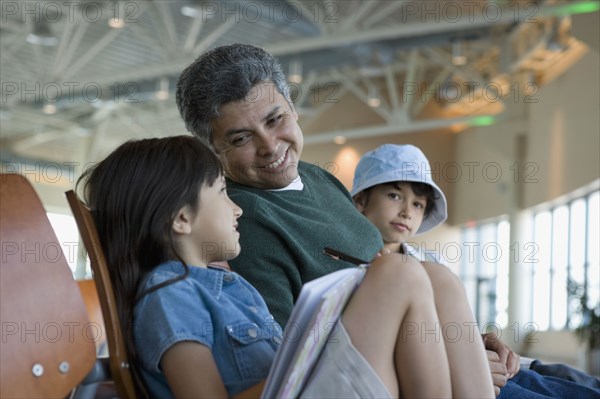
(358,47)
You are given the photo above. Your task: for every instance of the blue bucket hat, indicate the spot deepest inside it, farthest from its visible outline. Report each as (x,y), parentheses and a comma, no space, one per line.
(390,163)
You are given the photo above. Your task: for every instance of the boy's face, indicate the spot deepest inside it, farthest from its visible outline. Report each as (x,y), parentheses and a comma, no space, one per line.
(395,210)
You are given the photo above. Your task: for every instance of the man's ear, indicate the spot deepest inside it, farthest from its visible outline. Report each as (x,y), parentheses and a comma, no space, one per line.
(182,224)
(360,201)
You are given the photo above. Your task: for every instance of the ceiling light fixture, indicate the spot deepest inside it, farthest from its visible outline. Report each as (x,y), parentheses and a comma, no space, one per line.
(204,11)
(340,140)
(373,99)
(49,109)
(295,72)
(41,35)
(191,12)
(163,89)
(458,58)
(116,23)
(558,39)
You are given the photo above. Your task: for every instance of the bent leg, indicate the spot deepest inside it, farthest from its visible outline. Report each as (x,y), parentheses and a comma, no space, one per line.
(391,320)
(565,372)
(529,384)
(469,369)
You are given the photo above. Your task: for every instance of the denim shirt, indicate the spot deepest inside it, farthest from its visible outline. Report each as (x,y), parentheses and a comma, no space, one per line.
(214,307)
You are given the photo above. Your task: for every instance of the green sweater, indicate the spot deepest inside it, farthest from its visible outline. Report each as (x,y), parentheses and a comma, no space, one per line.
(283,233)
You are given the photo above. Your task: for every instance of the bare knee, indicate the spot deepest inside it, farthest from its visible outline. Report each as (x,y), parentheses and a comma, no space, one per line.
(402,273)
(443,280)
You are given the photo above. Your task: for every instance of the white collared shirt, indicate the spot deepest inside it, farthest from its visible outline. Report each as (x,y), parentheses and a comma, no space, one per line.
(296,184)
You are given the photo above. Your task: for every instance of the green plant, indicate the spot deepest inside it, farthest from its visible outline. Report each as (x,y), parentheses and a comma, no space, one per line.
(588,330)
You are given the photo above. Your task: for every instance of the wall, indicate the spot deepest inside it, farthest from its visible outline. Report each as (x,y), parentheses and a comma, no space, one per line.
(565,134)
(562,141)
(555,347)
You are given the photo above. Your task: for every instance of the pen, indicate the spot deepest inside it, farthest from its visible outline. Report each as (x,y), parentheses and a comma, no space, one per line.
(335,254)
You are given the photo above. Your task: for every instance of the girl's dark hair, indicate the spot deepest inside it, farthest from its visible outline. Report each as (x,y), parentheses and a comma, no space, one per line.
(134,195)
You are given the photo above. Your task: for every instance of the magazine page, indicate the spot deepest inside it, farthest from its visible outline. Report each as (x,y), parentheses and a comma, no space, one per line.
(317,309)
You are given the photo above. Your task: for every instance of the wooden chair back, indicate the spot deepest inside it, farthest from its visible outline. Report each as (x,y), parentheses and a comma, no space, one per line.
(119,363)
(89,293)
(46,348)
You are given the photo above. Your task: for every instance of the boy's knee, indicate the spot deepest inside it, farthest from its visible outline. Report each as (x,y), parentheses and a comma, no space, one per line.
(443,279)
(396,262)
(401,270)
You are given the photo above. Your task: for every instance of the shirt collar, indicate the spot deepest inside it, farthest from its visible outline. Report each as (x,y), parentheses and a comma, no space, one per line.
(296,184)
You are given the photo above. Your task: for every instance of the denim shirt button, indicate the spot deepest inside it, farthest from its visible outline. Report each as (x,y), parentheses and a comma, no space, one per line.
(228,278)
(253,309)
(252,333)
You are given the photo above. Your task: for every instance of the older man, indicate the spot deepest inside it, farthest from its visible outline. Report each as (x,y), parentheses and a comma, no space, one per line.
(237,99)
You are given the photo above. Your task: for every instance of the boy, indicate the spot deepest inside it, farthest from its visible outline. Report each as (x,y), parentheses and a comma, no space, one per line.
(393,189)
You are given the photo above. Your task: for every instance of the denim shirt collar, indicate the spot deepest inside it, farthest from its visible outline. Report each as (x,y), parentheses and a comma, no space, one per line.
(211,276)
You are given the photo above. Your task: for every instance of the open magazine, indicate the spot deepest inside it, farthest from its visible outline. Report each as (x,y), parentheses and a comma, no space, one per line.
(311,323)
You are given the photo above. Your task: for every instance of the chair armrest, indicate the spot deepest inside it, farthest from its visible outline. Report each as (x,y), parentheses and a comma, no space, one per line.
(99,374)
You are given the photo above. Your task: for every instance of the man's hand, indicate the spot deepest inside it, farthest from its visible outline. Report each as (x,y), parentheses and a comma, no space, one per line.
(499,373)
(505,355)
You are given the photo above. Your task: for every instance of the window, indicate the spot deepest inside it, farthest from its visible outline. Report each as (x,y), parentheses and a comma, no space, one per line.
(567,237)
(592,263)
(540,280)
(577,250)
(565,247)
(484,270)
(67,233)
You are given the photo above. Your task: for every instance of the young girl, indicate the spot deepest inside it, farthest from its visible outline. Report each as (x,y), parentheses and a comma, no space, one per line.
(197,330)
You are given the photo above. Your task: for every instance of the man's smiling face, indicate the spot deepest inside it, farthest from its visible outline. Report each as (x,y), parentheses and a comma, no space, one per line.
(258,139)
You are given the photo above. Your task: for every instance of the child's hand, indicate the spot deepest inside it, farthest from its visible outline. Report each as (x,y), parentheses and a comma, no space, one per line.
(498,369)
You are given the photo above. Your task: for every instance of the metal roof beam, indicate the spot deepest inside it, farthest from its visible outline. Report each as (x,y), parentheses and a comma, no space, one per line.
(385,130)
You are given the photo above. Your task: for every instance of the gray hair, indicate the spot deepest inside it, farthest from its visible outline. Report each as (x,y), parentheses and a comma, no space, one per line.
(220,76)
